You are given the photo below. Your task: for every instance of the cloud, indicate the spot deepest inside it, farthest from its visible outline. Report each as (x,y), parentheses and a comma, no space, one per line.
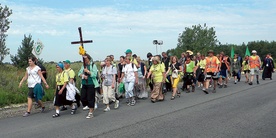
(122,25)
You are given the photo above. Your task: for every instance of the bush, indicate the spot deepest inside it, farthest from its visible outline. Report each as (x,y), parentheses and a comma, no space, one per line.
(10,77)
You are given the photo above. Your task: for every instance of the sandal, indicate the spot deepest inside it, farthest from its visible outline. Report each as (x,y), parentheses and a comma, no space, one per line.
(178,94)
(55,115)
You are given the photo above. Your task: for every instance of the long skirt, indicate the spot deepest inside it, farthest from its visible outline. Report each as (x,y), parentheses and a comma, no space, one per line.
(60,99)
(141,89)
(267,73)
(157,93)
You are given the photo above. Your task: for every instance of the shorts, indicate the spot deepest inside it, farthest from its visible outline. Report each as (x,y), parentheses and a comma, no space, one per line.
(223,73)
(212,75)
(246,71)
(31,93)
(254,71)
(234,73)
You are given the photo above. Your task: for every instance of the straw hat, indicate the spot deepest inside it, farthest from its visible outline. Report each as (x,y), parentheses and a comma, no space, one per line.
(190,52)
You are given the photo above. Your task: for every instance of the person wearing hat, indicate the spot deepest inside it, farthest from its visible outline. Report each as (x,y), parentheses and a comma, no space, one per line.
(34,78)
(212,68)
(60,95)
(255,66)
(157,72)
(72,80)
(132,59)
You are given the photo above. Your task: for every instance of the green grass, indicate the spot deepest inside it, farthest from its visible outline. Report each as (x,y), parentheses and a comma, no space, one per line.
(10,77)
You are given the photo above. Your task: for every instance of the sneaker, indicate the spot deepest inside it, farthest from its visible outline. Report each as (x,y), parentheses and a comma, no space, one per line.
(250,83)
(220,86)
(96,106)
(116,104)
(205,91)
(214,91)
(73,111)
(133,102)
(258,82)
(85,108)
(193,88)
(37,106)
(210,86)
(26,114)
(106,109)
(42,110)
(90,115)
(63,108)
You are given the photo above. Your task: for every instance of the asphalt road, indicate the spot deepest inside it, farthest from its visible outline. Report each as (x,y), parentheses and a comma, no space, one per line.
(237,111)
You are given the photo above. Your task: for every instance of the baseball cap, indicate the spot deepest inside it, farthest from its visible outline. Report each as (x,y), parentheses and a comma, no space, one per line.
(67,61)
(128,51)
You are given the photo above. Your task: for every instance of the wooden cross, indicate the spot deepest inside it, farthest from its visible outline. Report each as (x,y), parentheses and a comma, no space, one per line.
(82,42)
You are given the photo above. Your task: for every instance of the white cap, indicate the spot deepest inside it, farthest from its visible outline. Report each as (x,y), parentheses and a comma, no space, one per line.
(254,51)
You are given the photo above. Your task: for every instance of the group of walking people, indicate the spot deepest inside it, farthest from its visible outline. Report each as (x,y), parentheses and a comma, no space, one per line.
(131,77)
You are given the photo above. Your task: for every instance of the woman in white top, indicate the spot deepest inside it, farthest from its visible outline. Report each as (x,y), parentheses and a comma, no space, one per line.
(109,81)
(129,77)
(34,76)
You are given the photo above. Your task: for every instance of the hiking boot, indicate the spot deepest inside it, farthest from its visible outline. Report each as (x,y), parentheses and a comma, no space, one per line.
(116,104)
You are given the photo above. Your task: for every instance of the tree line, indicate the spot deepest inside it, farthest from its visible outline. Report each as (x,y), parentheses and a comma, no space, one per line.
(200,39)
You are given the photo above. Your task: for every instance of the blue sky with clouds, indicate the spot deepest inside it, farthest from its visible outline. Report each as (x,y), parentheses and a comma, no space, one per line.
(116,25)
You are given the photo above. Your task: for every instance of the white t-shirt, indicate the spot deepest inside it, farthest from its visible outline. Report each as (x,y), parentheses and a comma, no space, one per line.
(129,70)
(108,73)
(33,77)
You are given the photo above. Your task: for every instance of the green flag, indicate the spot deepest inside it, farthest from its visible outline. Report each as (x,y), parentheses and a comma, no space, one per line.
(247,53)
(232,52)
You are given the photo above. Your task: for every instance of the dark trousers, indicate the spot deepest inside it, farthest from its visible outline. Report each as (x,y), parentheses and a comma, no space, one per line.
(88,95)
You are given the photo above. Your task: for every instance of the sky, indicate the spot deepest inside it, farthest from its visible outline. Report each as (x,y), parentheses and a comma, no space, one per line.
(118,25)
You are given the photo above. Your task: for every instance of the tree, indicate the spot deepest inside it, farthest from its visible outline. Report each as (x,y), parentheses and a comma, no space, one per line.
(197,39)
(5,12)
(24,51)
